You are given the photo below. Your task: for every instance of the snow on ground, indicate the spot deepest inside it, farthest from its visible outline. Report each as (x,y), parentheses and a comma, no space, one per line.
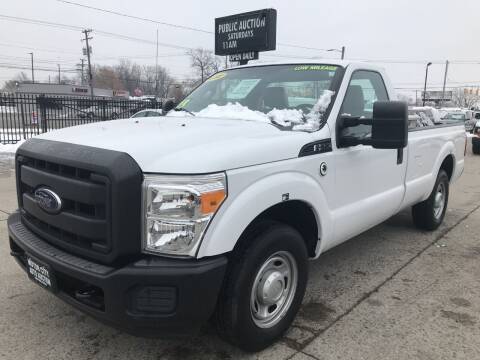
(10,148)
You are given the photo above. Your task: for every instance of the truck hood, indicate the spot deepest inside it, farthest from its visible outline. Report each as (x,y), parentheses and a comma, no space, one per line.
(188,144)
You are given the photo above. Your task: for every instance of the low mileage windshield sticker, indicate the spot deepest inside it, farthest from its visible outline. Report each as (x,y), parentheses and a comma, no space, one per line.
(315,68)
(183,103)
(242,89)
(217,76)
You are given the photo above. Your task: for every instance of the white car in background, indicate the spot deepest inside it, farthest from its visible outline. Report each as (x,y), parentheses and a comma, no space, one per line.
(148,113)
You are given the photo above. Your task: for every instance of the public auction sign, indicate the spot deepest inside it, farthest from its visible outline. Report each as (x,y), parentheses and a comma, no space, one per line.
(244,35)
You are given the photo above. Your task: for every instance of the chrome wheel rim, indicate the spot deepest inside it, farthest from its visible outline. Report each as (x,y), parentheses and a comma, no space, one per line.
(439,201)
(273,289)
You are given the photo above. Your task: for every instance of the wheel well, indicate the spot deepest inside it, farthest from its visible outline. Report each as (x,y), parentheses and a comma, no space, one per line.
(447,165)
(295,213)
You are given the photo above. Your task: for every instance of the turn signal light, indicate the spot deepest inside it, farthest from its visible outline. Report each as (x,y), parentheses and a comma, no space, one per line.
(211,201)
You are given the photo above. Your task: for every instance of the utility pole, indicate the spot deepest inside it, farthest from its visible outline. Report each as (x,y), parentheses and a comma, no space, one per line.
(156,69)
(33,75)
(444,82)
(343,52)
(425,86)
(90,77)
(80,67)
(59,74)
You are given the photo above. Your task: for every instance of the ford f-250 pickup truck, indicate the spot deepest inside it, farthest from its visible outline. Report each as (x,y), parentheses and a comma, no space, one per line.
(211,212)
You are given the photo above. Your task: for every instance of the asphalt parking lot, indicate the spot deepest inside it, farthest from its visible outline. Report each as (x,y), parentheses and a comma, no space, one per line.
(393,292)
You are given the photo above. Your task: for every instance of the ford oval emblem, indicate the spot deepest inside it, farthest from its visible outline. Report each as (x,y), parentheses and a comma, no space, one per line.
(48,201)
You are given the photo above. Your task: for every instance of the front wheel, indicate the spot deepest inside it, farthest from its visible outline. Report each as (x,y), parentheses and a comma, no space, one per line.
(264,287)
(429,214)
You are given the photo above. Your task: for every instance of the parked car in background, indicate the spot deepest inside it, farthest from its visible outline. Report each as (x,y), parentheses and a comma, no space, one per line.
(102,112)
(148,113)
(476,138)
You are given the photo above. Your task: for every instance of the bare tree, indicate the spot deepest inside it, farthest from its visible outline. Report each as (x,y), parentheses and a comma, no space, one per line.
(467,98)
(105,77)
(11,85)
(204,62)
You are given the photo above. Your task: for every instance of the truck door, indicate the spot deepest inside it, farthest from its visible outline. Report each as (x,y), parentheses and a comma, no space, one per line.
(369,182)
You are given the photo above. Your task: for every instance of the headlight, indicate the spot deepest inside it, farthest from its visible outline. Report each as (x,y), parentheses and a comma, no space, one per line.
(178,209)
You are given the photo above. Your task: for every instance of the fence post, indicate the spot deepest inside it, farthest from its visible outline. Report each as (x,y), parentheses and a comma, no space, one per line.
(22,110)
(103,103)
(42,102)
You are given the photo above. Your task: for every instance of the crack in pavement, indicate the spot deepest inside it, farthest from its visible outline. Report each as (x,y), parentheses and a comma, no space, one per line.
(366,295)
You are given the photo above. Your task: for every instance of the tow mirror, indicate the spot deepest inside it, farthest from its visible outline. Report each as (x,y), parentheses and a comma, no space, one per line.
(389,126)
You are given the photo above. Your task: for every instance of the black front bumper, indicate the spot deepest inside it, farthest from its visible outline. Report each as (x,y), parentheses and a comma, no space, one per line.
(148,297)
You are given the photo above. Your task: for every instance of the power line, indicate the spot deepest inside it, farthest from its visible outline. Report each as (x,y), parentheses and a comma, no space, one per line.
(136,17)
(183,27)
(26,47)
(20,67)
(44,61)
(98,32)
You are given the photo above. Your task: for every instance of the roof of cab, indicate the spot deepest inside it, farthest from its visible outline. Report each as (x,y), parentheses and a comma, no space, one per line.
(342,63)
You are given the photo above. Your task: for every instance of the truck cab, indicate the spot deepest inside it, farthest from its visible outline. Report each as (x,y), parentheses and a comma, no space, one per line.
(213,210)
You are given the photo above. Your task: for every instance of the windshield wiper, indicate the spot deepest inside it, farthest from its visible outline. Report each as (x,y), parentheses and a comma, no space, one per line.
(281,126)
(183,109)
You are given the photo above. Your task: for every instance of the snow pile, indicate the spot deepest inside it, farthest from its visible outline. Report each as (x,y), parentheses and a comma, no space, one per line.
(286,117)
(315,115)
(10,148)
(232,111)
(293,118)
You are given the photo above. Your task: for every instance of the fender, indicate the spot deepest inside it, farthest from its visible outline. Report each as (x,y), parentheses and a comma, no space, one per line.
(240,209)
(447,149)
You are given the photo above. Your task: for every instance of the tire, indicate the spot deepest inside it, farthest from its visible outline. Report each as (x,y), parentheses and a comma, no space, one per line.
(429,214)
(238,315)
(476,147)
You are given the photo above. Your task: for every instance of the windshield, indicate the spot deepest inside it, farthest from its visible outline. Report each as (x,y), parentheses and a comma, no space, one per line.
(291,97)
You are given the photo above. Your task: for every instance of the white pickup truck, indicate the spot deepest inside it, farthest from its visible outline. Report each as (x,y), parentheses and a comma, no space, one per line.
(156,225)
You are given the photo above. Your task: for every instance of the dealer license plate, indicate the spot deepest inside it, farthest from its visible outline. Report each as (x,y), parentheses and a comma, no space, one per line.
(40,273)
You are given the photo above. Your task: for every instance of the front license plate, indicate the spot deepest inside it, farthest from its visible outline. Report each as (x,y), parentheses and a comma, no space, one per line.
(40,273)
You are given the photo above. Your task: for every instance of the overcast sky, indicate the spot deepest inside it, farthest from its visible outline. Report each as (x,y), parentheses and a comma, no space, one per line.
(405,31)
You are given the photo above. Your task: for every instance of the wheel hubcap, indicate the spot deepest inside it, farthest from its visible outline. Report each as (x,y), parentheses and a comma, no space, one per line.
(439,201)
(273,289)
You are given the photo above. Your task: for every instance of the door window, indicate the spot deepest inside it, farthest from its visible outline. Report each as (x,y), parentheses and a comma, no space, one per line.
(364,89)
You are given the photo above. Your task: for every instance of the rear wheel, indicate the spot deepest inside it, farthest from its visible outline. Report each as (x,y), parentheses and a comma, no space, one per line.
(264,287)
(429,214)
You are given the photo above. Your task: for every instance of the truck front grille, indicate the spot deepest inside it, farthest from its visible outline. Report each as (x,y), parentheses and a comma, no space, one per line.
(100,191)
(85,216)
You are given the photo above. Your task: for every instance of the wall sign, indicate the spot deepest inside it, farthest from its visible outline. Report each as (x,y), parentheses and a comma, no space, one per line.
(245,34)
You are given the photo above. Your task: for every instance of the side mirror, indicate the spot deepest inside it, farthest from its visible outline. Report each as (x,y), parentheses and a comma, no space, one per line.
(389,125)
(168,105)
